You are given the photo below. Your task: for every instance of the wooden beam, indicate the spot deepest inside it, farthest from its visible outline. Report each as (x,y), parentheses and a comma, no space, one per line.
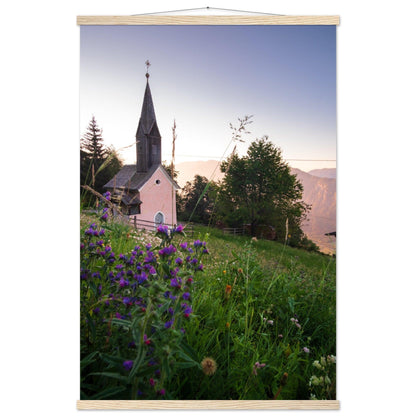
(208,404)
(207,20)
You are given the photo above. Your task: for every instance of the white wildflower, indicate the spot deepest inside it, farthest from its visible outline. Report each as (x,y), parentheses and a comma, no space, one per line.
(315,380)
(331,359)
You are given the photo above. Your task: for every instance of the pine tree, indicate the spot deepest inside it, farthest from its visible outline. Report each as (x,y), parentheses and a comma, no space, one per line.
(92,148)
(98,163)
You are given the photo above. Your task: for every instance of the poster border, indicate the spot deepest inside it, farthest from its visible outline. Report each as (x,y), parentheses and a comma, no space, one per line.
(208,404)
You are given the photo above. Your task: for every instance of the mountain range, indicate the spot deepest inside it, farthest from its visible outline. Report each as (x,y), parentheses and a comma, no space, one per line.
(319,191)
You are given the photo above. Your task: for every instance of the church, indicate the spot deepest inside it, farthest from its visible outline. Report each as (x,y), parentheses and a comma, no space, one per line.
(145,190)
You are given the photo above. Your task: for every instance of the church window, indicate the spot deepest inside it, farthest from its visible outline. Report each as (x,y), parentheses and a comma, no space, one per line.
(159,218)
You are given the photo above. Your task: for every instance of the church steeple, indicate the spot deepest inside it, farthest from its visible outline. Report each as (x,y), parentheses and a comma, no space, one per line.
(148,139)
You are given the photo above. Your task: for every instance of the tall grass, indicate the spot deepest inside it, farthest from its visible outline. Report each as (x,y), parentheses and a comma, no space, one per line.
(262,311)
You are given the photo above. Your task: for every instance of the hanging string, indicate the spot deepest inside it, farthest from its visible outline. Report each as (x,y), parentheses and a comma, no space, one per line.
(208,9)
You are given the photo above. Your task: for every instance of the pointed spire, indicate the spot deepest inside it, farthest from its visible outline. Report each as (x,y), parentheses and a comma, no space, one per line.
(148,146)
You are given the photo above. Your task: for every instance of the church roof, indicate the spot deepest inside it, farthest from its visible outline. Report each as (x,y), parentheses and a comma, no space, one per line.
(128,178)
(130,199)
(147,124)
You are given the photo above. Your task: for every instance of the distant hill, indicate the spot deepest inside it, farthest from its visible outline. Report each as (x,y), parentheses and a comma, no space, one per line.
(324,173)
(208,168)
(319,192)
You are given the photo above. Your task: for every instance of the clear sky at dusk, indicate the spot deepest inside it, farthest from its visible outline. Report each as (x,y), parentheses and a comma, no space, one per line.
(206,77)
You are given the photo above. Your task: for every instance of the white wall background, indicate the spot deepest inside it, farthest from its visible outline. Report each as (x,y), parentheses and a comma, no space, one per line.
(39,205)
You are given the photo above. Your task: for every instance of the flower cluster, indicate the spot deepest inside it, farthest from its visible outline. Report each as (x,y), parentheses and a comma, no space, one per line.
(145,294)
(322,384)
(296,321)
(167,235)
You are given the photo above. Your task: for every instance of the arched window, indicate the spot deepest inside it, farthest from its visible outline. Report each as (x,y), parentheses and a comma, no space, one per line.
(159,218)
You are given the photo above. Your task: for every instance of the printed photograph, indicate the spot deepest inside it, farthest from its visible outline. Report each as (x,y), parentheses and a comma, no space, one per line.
(208,212)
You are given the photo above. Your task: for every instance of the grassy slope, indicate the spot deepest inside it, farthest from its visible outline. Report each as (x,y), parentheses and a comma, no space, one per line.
(271,285)
(270,282)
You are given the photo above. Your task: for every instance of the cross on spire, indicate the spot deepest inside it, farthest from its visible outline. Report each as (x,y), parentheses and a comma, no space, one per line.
(147,63)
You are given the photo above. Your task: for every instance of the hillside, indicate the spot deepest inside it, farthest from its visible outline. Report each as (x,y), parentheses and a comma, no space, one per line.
(241,312)
(324,173)
(319,192)
(187,170)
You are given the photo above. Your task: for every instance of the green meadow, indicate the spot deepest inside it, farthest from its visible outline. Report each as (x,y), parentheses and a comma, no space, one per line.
(167,315)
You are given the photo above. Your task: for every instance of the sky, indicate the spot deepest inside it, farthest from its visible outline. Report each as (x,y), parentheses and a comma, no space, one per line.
(206,77)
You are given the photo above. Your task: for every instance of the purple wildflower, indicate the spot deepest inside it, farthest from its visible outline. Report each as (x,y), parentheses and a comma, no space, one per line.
(178,229)
(187,310)
(162,392)
(179,261)
(256,366)
(168,324)
(128,365)
(150,257)
(175,282)
(123,282)
(141,278)
(167,251)
(186,296)
(183,245)
(163,229)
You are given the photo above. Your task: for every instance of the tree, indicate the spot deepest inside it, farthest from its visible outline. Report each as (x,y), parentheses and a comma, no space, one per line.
(168,168)
(258,189)
(98,162)
(196,202)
